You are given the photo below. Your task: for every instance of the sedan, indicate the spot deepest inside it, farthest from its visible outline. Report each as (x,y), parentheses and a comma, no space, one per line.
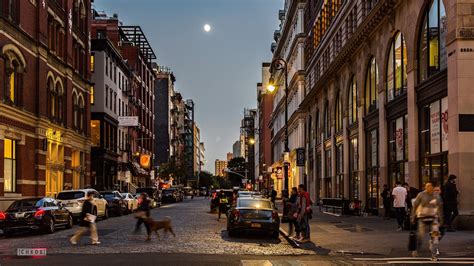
(132,202)
(39,214)
(115,202)
(253,214)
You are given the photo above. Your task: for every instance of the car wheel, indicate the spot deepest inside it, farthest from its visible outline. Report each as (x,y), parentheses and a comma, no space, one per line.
(49,226)
(106,212)
(275,235)
(70,222)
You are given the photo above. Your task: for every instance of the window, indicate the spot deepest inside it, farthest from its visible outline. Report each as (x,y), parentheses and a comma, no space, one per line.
(106,65)
(81,114)
(59,99)
(318,128)
(95,133)
(75,102)
(328,173)
(92,95)
(14,68)
(352,108)
(398,149)
(52,98)
(327,126)
(339,170)
(9,9)
(371,85)
(92,62)
(106,96)
(397,68)
(115,102)
(338,114)
(9,165)
(432,44)
(354,169)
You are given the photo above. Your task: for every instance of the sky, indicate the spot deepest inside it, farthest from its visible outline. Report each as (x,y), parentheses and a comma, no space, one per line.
(219,69)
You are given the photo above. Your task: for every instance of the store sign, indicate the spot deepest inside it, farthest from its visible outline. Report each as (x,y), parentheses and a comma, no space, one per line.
(444,124)
(145,161)
(300,157)
(399,138)
(279,173)
(128,121)
(53,135)
(435,138)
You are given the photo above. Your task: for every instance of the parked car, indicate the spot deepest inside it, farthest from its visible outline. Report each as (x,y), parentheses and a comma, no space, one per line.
(253,214)
(215,197)
(247,193)
(43,214)
(132,202)
(73,200)
(171,195)
(115,202)
(153,193)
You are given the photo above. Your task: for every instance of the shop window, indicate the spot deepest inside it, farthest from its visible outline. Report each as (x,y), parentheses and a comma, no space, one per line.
(328,173)
(327,126)
(352,100)
(92,66)
(95,132)
(398,150)
(338,114)
(396,68)
(339,171)
(372,167)
(54,169)
(14,68)
(9,165)
(432,43)
(318,128)
(371,85)
(354,169)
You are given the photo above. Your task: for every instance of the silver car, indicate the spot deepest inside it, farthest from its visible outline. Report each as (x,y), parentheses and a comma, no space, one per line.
(132,202)
(73,200)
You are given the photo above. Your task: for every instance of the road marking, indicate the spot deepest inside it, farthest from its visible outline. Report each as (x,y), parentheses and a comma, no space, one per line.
(417,260)
(256,263)
(410,258)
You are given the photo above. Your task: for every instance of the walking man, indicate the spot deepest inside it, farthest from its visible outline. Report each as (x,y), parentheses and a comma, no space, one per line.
(142,214)
(399,194)
(293,213)
(428,211)
(87,222)
(304,210)
(223,201)
(450,200)
(386,201)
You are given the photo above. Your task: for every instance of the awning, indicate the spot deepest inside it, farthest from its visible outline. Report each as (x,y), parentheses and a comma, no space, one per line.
(138,170)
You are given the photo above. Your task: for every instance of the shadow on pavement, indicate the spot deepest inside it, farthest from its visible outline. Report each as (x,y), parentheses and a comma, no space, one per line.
(313,247)
(250,237)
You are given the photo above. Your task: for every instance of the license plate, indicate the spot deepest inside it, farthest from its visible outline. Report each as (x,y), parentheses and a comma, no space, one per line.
(255,225)
(20,215)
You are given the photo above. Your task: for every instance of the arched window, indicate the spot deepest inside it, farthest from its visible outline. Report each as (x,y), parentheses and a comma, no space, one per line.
(13,72)
(81,114)
(59,104)
(432,44)
(327,127)
(82,17)
(338,114)
(397,67)
(352,101)
(52,98)
(75,108)
(371,84)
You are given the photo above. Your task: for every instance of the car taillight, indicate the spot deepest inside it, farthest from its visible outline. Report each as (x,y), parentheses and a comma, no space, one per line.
(3,216)
(275,215)
(40,213)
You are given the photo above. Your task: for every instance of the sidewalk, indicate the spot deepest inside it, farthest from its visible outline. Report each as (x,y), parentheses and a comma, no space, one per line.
(373,235)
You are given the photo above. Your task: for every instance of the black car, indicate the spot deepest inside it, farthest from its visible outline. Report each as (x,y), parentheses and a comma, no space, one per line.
(153,193)
(115,202)
(170,195)
(40,214)
(215,197)
(253,214)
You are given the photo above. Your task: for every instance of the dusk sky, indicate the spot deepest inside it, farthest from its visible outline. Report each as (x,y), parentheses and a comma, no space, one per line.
(219,69)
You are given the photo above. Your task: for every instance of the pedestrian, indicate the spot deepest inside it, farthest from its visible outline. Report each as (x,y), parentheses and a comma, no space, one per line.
(293,213)
(450,201)
(223,202)
(428,212)
(87,221)
(304,211)
(411,195)
(273,196)
(386,201)
(143,213)
(399,194)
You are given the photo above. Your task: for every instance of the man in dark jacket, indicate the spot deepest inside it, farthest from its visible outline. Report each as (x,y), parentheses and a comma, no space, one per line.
(386,198)
(450,200)
(143,212)
(87,221)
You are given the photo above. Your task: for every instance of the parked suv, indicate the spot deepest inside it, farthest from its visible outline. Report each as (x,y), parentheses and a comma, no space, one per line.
(115,201)
(153,193)
(73,200)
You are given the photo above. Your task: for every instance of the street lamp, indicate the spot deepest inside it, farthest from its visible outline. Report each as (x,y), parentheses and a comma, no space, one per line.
(280,64)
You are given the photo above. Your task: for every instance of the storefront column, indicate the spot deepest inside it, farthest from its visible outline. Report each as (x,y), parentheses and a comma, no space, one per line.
(362,156)
(461,126)
(323,167)
(345,158)
(413,135)
(383,143)
(333,160)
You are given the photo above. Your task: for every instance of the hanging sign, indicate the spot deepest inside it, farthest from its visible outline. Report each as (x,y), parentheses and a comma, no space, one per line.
(300,157)
(399,138)
(444,124)
(435,128)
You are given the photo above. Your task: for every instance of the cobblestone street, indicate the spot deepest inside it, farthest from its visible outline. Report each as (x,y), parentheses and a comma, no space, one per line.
(197,231)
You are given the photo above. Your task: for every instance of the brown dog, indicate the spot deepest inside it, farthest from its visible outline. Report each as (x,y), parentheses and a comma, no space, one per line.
(164,224)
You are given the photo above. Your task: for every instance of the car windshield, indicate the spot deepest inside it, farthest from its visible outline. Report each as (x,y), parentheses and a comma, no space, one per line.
(168,192)
(254,204)
(70,195)
(107,195)
(25,204)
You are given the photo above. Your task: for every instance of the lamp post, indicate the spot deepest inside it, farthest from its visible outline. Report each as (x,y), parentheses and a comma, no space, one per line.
(280,64)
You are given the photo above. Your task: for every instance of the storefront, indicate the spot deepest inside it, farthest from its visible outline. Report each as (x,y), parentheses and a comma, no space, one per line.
(328,171)
(55,165)
(354,189)
(339,168)
(398,150)
(372,169)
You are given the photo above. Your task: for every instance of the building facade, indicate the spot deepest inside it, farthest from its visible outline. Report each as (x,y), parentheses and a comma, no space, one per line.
(248,130)
(384,80)
(289,45)
(45,106)
(220,167)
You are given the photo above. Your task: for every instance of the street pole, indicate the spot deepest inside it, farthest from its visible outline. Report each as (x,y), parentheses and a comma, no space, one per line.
(287,149)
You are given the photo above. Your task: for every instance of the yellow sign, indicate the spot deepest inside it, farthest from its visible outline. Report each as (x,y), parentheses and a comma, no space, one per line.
(145,161)
(53,135)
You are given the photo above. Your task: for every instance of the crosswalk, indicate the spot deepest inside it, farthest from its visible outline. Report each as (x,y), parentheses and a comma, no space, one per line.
(359,261)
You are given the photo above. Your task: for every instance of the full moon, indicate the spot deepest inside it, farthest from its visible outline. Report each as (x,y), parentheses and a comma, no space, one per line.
(207,28)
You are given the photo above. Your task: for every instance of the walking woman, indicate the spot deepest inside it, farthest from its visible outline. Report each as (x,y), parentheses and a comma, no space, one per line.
(143,213)
(293,213)
(87,221)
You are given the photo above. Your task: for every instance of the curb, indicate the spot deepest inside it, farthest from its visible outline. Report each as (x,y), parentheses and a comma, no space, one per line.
(291,241)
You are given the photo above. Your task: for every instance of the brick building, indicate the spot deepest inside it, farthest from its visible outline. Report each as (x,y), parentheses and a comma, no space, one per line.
(45,106)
